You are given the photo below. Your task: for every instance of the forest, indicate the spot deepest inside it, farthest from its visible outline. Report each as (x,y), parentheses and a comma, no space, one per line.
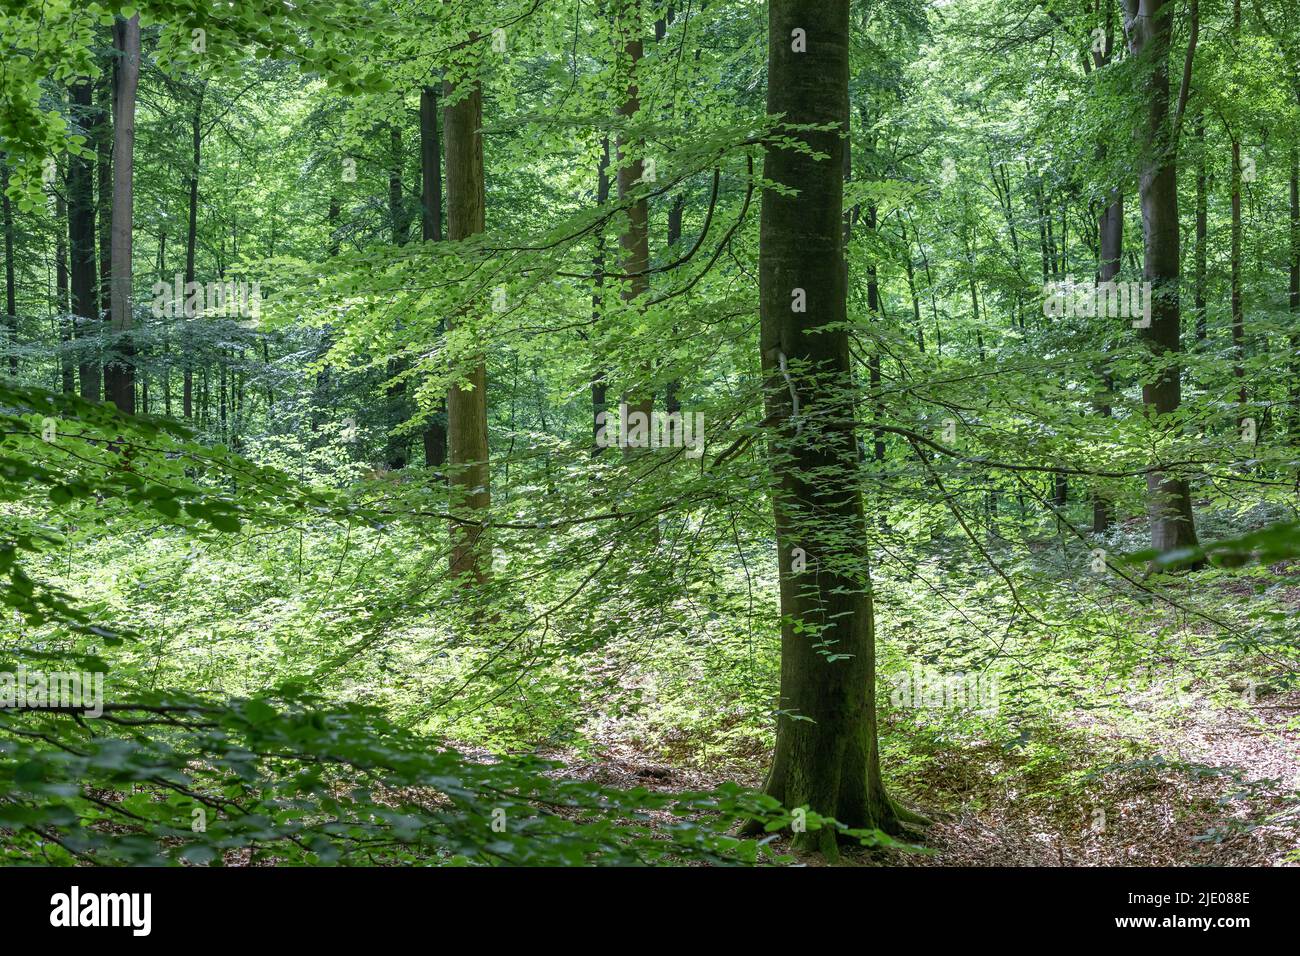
(670,433)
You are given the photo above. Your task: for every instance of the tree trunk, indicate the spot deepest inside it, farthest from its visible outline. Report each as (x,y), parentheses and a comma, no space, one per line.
(873,362)
(395,451)
(1294,295)
(11,280)
(1110,235)
(119,375)
(66,371)
(103,139)
(599,384)
(81,249)
(467,428)
(1169,496)
(1202,231)
(166,326)
(826,755)
(1238,317)
(911,289)
(635,241)
(672,389)
(396,199)
(191,244)
(435,432)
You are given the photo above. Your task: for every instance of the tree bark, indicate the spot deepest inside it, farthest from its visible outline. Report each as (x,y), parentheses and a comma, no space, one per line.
(81,248)
(672,389)
(102,137)
(430,167)
(11,280)
(166,375)
(467,429)
(191,245)
(826,756)
(599,383)
(395,451)
(1202,232)
(635,240)
(119,375)
(1110,235)
(1149,25)
(396,199)
(1293,298)
(1238,317)
(435,432)
(67,382)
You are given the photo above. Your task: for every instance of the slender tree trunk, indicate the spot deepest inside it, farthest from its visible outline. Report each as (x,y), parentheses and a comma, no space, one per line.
(1294,295)
(873,362)
(1169,495)
(1238,316)
(430,166)
(191,246)
(81,249)
(1202,231)
(1110,234)
(826,755)
(221,398)
(395,453)
(467,428)
(599,383)
(911,291)
(11,280)
(435,432)
(332,215)
(635,241)
(321,390)
(67,381)
(166,325)
(396,198)
(119,375)
(103,139)
(672,390)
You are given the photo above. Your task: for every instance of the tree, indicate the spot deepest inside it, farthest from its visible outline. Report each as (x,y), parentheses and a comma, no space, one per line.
(1150,26)
(81,247)
(11,282)
(119,374)
(634,241)
(191,243)
(827,757)
(467,428)
(435,432)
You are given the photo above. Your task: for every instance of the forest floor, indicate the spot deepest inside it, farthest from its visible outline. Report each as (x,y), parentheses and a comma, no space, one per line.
(1216,786)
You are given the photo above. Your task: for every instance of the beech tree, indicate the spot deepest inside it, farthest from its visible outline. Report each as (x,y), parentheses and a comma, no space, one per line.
(467,425)
(827,756)
(1149,25)
(119,374)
